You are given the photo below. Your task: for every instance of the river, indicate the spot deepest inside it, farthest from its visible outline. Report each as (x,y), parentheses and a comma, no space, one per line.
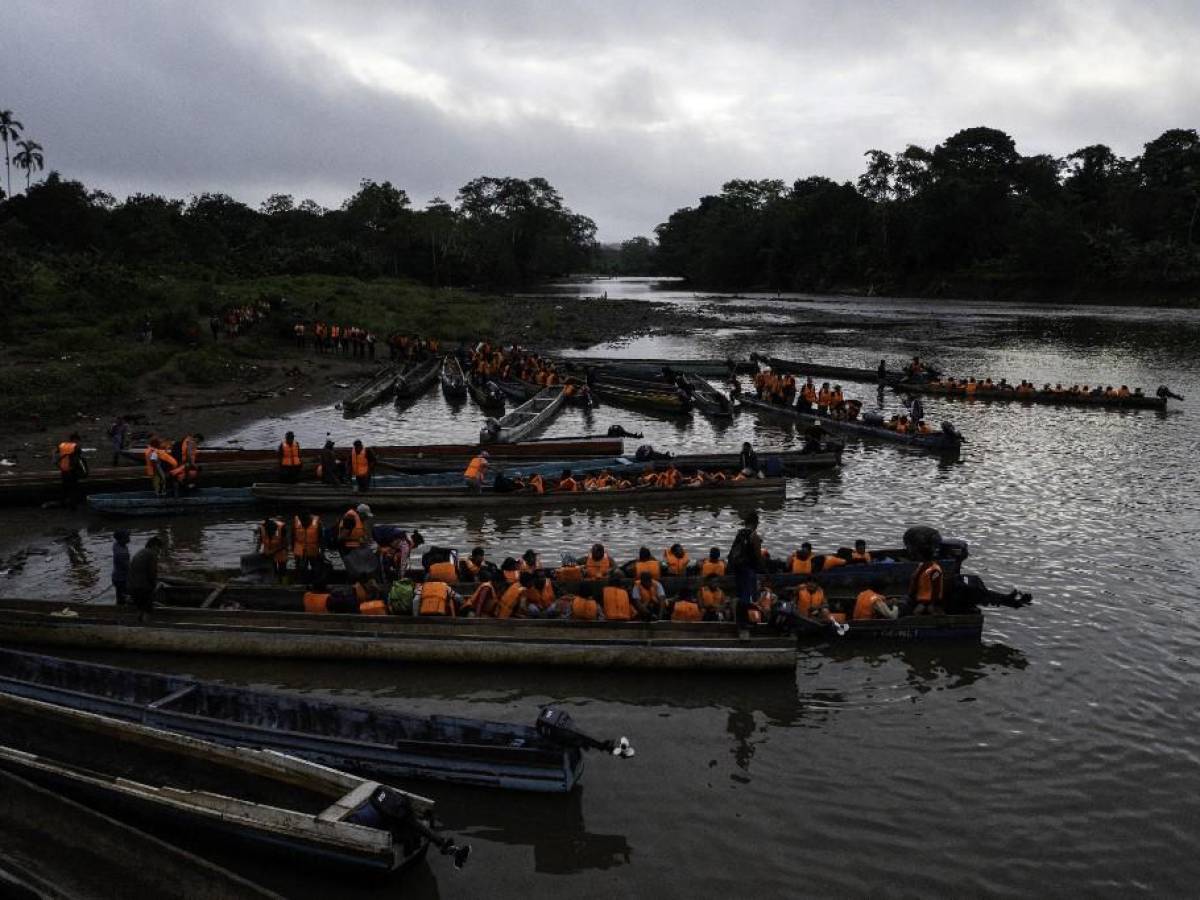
(1058,756)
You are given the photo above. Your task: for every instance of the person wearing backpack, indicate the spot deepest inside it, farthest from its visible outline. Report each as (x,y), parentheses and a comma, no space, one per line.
(745,557)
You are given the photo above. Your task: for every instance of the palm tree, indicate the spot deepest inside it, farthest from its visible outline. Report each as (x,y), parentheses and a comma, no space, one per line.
(9,128)
(29,158)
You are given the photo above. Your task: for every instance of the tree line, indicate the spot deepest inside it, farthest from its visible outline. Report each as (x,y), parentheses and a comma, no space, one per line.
(970,216)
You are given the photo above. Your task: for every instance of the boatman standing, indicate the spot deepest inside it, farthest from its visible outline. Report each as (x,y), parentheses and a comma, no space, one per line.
(71,467)
(476,472)
(290,464)
(745,556)
(143,577)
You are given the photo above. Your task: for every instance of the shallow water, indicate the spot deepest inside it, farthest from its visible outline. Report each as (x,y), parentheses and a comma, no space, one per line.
(1059,756)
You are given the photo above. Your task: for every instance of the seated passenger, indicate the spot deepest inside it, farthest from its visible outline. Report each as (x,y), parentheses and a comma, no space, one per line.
(436,598)
(648,596)
(510,570)
(540,599)
(513,602)
(616,601)
(469,569)
(871,604)
(647,564)
(860,554)
(714,565)
(811,602)
(801,561)
(712,600)
(567,483)
(676,559)
(598,563)
(585,609)
(685,608)
(764,604)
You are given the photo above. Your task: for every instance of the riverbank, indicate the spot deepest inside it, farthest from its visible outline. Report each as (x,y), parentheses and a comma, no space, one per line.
(68,378)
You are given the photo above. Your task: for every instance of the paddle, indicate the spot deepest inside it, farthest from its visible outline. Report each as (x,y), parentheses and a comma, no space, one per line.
(557,725)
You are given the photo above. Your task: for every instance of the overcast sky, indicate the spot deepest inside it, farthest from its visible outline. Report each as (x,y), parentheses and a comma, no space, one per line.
(631,109)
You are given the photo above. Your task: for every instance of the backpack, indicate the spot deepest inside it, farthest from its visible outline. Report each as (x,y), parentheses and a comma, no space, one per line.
(400,597)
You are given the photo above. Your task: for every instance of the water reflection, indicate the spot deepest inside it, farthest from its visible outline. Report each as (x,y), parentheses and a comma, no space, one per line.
(931,666)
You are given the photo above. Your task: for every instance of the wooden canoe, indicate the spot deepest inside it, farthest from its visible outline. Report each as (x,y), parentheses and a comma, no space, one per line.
(488,395)
(651,396)
(964,625)
(705,397)
(376,390)
(320,496)
(273,801)
(936,442)
(526,419)
(416,379)
(148,503)
(376,743)
(488,642)
(1131,402)
(713,368)
(821,370)
(454,383)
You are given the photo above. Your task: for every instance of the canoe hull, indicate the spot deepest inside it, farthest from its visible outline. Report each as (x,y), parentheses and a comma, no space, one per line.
(967,626)
(936,442)
(1131,402)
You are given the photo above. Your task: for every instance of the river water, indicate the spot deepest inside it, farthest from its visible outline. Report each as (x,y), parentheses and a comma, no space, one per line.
(1060,755)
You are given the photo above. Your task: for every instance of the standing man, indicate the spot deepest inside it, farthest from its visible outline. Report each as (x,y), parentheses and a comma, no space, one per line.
(362,464)
(746,558)
(290,464)
(71,467)
(120,569)
(143,577)
(477,471)
(118,435)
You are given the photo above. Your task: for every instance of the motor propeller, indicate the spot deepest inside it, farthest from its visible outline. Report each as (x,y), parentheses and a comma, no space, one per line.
(557,725)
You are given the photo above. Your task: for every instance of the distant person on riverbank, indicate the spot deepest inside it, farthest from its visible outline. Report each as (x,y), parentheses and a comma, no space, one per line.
(118,436)
(68,457)
(120,566)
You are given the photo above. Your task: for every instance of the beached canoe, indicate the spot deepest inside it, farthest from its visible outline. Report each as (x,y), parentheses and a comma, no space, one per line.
(937,442)
(486,642)
(713,368)
(377,743)
(271,801)
(488,395)
(824,371)
(526,419)
(416,379)
(642,394)
(376,390)
(320,496)
(705,397)
(148,503)
(1134,401)
(454,383)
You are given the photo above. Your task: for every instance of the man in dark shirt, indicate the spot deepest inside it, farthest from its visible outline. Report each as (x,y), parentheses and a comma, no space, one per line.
(120,568)
(746,558)
(143,577)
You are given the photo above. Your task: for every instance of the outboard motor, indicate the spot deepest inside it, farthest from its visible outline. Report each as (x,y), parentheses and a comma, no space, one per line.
(490,431)
(922,542)
(394,809)
(556,725)
(950,431)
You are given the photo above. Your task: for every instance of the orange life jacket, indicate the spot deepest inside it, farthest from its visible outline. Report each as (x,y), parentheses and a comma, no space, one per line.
(306,542)
(864,604)
(617,605)
(685,611)
(65,449)
(483,600)
(435,599)
(442,571)
(832,562)
(290,458)
(509,600)
(316,603)
(543,600)
(585,608)
(276,546)
(807,604)
(372,608)
(798,566)
(353,537)
(676,565)
(653,566)
(537,484)
(708,567)
(475,467)
(360,466)
(471,570)
(568,484)
(598,568)
(568,573)
(927,583)
(864,557)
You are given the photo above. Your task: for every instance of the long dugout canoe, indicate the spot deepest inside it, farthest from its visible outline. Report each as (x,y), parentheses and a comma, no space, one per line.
(376,390)
(711,367)
(319,496)
(935,442)
(489,642)
(822,370)
(964,625)
(1066,399)
(378,743)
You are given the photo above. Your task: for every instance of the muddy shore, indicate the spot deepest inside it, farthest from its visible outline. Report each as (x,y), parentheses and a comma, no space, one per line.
(284,379)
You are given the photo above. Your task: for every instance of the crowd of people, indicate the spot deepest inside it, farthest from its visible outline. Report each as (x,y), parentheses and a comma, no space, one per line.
(970,386)
(237,320)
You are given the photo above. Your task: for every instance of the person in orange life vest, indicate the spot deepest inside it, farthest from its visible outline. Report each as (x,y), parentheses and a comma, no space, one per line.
(764,605)
(540,599)
(676,559)
(290,464)
(483,600)
(567,483)
(476,472)
(685,608)
(648,597)
(585,608)
(436,598)
(925,591)
(598,563)
(362,465)
(647,564)
(811,602)
(470,568)
(306,546)
(271,541)
(167,468)
(872,604)
(860,554)
(529,561)
(510,571)
(352,531)
(615,599)
(514,601)
(71,467)
(714,565)
(712,600)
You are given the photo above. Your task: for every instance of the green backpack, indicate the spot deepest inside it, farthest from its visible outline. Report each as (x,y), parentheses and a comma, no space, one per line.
(400,597)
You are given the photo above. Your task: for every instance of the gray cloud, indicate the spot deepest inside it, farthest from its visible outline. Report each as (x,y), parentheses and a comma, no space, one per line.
(630,109)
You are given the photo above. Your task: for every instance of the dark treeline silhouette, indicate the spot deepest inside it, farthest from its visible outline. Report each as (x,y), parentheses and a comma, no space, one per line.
(970,216)
(500,232)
